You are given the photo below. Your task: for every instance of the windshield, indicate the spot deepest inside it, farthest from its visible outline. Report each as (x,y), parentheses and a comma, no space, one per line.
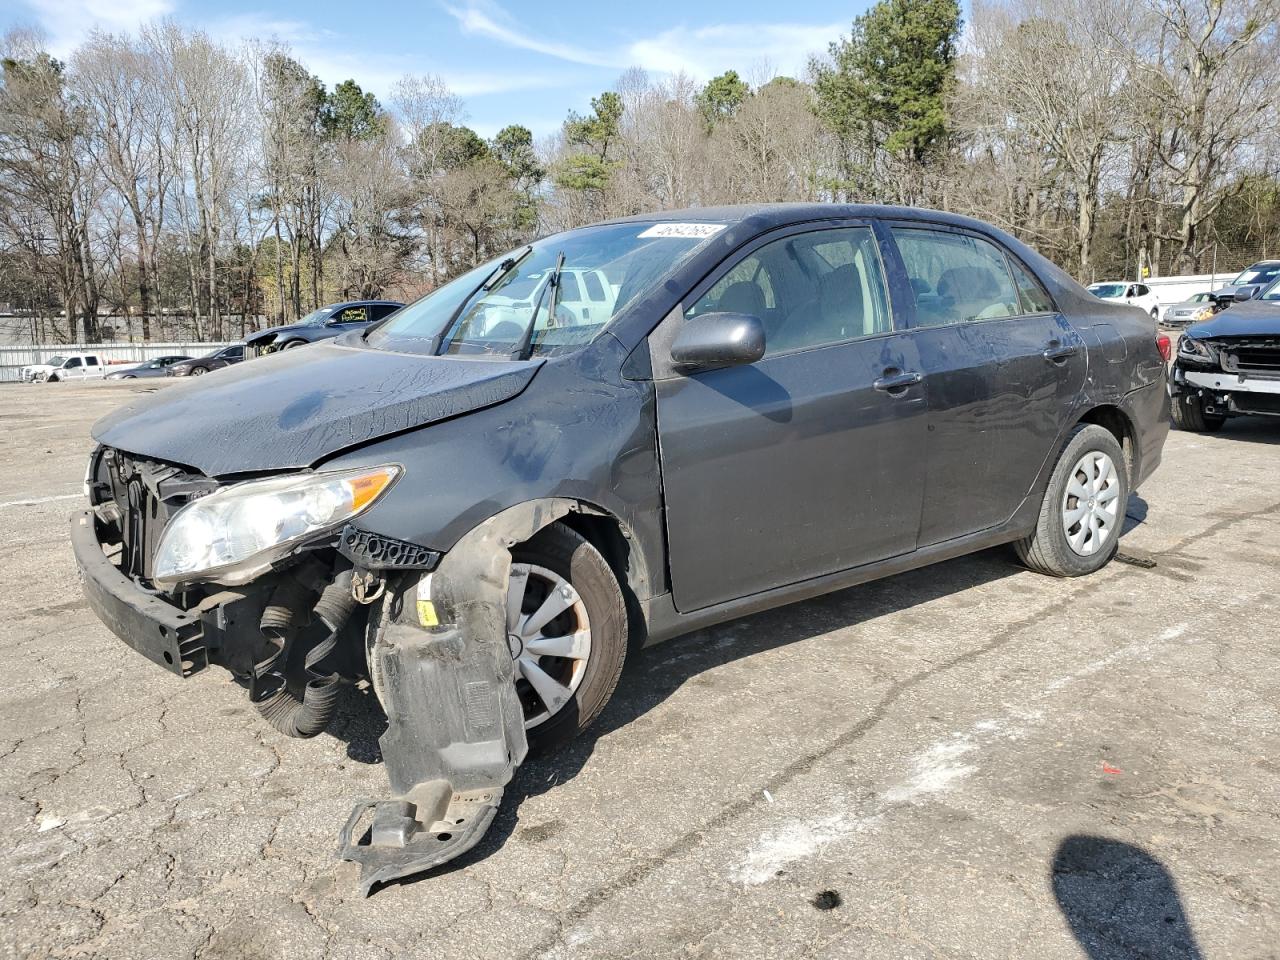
(315,318)
(605,267)
(1258,273)
(56,361)
(1107,290)
(1272,292)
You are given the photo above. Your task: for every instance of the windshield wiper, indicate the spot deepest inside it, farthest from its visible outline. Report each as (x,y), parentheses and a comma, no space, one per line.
(485,285)
(524,348)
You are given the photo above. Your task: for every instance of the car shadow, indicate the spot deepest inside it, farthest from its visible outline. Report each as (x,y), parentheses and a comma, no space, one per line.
(1251,429)
(1135,514)
(1120,902)
(653,674)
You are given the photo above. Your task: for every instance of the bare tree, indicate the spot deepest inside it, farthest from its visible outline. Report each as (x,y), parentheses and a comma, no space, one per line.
(1214,88)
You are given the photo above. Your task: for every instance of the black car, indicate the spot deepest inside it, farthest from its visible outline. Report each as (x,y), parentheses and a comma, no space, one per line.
(1229,364)
(322,324)
(482,508)
(222,357)
(159,367)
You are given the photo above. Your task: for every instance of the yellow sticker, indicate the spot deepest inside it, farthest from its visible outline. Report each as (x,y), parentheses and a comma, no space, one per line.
(427,614)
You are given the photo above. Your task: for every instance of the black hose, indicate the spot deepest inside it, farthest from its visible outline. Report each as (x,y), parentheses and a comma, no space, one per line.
(308,716)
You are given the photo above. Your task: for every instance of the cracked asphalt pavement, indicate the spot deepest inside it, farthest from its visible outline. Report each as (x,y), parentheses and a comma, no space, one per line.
(970,760)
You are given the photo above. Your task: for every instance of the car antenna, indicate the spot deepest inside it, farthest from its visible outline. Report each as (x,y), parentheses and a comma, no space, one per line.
(524,349)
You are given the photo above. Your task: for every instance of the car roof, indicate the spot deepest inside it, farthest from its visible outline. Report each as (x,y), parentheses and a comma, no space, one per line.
(362,303)
(769,215)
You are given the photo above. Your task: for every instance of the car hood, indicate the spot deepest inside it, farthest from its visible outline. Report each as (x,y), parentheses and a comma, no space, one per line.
(1250,318)
(287,328)
(291,409)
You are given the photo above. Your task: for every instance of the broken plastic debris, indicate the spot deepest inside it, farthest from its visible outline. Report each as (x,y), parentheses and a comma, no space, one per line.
(1108,768)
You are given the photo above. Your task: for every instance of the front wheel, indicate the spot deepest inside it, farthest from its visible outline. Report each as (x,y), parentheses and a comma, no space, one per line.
(566,614)
(1189,414)
(1083,509)
(198,371)
(567,629)
(293,344)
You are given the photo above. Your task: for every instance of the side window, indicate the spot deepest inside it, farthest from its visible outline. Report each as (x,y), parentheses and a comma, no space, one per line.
(808,289)
(73,363)
(90,361)
(569,292)
(956,278)
(595,289)
(1035,298)
(352,315)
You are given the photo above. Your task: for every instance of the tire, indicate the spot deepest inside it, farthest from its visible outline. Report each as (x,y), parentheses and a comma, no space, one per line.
(568,555)
(53,379)
(294,343)
(1188,414)
(1049,549)
(198,371)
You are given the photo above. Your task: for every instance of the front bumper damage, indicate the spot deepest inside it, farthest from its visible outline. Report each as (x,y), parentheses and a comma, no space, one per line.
(1228,392)
(436,650)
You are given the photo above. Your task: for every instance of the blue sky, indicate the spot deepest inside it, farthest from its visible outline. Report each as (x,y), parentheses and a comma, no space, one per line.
(511,62)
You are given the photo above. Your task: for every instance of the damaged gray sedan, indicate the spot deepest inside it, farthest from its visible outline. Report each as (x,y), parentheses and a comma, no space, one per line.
(607,438)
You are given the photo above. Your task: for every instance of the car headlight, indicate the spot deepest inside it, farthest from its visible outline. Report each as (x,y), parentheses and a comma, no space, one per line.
(1192,349)
(234,534)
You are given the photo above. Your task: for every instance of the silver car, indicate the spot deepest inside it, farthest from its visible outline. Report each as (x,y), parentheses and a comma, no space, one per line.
(1187,312)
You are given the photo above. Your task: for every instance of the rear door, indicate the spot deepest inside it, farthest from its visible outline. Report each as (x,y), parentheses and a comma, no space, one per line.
(1003,372)
(810,460)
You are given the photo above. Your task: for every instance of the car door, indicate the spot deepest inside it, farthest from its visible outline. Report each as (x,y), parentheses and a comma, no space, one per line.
(810,460)
(73,369)
(1003,370)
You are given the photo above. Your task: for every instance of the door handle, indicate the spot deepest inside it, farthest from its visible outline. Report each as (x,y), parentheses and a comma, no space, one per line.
(895,382)
(1056,352)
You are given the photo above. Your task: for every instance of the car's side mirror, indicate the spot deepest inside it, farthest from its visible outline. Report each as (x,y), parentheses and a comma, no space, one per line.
(1247,292)
(716,340)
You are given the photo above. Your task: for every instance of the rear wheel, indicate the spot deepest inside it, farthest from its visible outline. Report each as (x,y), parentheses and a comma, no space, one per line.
(1189,414)
(1083,508)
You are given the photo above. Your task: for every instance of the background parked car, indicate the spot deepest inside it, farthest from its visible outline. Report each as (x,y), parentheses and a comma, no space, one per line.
(1188,311)
(72,366)
(322,324)
(1261,275)
(159,367)
(1229,363)
(210,361)
(1135,294)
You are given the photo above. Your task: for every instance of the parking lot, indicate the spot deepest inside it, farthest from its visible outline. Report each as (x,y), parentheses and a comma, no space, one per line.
(966,761)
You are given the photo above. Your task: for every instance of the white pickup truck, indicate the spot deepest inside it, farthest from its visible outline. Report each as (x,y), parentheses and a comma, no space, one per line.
(71,366)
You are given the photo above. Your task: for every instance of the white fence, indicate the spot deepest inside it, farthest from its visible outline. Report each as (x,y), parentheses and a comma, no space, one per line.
(13,359)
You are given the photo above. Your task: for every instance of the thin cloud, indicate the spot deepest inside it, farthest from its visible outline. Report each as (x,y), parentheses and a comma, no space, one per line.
(705,52)
(701,52)
(67,22)
(490,20)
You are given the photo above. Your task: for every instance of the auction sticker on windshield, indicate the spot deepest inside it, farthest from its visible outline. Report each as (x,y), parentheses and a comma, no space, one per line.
(688,231)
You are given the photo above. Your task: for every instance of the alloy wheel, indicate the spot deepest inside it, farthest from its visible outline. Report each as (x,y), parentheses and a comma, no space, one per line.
(1091,504)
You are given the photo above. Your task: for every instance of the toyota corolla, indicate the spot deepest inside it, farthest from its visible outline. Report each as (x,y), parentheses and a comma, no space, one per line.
(758,405)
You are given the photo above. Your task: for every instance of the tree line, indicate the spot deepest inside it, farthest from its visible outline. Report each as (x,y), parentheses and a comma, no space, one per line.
(184,187)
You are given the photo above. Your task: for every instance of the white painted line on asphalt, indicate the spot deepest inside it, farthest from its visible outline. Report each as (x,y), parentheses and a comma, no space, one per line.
(937,769)
(32,501)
